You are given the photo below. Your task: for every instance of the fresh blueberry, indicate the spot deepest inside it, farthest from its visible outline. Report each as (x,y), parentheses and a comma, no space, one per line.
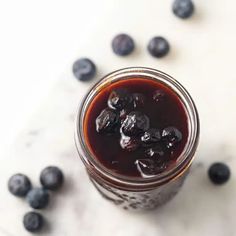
(38,198)
(135,123)
(158,95)
(138,100)
(158,47)
(119,99)
(129,143)
(150,167)
(84,69)
(183,8)
(171,136)
(19,185)
(107,121)
(219,173)
(51,178)
(33,221)
(122,44)
(151,136)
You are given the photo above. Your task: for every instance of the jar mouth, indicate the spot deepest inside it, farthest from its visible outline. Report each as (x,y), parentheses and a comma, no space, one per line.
(184,159)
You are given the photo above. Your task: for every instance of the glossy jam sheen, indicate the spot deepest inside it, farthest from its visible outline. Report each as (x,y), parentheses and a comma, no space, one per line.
(168,112)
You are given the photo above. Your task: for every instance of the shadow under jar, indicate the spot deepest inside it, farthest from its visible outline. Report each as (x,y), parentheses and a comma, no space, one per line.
(137,131)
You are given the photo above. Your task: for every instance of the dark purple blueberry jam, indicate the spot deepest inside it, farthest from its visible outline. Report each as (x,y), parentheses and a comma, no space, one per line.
(136,127)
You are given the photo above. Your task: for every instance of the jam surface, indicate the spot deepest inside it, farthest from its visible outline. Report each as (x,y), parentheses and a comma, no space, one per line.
(136,127)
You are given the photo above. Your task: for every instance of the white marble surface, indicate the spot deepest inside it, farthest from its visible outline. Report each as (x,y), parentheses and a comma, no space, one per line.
(203,60)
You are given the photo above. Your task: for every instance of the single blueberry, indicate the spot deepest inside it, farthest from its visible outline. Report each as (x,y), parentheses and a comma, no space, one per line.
(151,136)
(219,173)
(171,136)
(135,123)
(19,185)
(129,143)
(122,44)
(107,121)
(138,100)
(33,221)
(51,178)
(158,47)
(183,8)
(156,153)
(38,198)
(119,99)
(158,95)
(150,167)
(84,69)
(123,114)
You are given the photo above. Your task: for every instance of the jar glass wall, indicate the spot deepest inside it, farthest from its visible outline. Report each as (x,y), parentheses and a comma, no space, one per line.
(130,192)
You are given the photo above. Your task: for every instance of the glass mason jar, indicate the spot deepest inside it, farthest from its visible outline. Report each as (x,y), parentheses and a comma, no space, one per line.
(136,193)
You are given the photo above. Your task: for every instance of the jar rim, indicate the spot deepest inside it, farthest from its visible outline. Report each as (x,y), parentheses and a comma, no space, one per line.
(184,159)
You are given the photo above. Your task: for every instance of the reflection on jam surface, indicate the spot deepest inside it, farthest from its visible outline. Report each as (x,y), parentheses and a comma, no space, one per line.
(136,127)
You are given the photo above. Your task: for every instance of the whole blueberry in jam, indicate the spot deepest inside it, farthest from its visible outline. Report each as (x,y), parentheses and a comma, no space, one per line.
(171,136)
(158,95)
(129,143)
(157,152)
(107,121)
(138,100)
(119,99)
(122,44)
(135,123)
(150,167)
(151,136)
(123,113)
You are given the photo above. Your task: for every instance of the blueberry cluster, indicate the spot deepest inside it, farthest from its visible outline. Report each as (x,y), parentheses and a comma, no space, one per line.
(123,116)
(20,185)
(123,44)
